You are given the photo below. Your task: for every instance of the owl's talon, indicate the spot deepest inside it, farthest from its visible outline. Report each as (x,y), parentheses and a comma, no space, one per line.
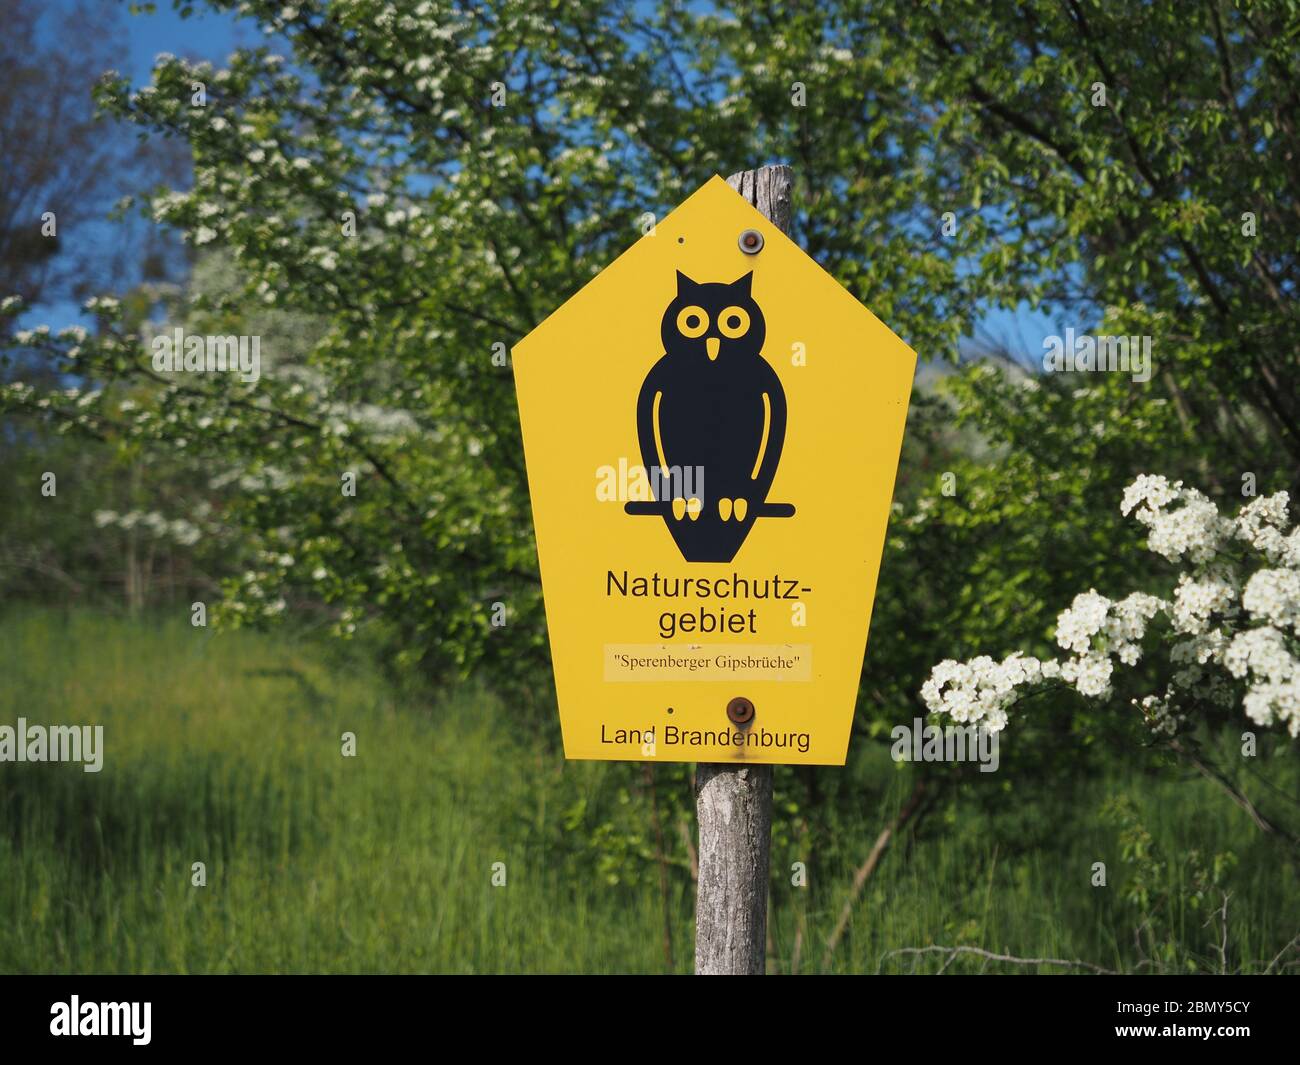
(741,509)
(724,509)
(679,508)
(693,507)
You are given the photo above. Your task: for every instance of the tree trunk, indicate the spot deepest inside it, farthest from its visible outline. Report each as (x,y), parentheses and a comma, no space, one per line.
(734,802)
(734,805)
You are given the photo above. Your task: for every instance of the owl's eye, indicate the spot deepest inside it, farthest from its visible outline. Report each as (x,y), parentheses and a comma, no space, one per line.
(692,322)
(734,322)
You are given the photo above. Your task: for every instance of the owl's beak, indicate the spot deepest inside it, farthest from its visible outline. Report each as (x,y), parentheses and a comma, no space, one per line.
(711,345)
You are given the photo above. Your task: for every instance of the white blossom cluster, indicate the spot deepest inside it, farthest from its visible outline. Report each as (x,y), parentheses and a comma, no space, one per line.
(1228,643)
(1116,628)
(151,522)
(1194,529)
(979,691)
(1197,601)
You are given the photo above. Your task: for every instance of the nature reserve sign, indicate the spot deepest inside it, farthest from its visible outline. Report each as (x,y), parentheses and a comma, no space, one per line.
(712,428)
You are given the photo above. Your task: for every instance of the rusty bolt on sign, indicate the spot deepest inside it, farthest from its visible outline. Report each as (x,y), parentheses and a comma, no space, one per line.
(740,711)
(751,242)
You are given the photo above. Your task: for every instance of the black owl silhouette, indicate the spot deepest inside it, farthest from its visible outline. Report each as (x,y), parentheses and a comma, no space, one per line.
(711,421)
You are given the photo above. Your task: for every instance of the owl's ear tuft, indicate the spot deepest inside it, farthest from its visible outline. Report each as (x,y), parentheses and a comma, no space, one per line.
(743,285)
(684,283)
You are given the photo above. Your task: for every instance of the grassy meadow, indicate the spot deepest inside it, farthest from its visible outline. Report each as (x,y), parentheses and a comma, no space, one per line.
(226,750)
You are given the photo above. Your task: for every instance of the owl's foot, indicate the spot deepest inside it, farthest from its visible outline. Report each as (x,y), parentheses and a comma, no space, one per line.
(679,508)
(693,507)
(724,509)
(740,508)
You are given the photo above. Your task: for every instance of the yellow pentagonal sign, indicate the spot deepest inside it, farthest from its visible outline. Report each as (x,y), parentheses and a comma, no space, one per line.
(711,434)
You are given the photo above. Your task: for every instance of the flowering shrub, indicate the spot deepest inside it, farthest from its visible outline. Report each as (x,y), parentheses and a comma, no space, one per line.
(1232,620)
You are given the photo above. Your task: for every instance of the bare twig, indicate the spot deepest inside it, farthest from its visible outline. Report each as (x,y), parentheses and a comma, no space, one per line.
(952,953)
(1280,953)
(1236,794)
(1222,914)
(869,866)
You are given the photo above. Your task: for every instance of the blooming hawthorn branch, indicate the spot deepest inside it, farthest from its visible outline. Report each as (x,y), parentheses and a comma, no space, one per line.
(1231,633)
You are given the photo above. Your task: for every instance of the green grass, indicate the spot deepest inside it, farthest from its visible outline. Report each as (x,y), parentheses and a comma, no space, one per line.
(226,750)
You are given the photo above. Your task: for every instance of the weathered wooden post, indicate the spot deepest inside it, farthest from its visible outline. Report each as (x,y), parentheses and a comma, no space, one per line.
(734,807)
(733,803)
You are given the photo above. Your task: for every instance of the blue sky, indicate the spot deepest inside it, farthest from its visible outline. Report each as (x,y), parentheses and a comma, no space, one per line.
(205,35)
(214,36)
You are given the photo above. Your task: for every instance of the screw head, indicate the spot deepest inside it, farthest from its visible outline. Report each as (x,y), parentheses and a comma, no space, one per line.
(740,711)
(751,242)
